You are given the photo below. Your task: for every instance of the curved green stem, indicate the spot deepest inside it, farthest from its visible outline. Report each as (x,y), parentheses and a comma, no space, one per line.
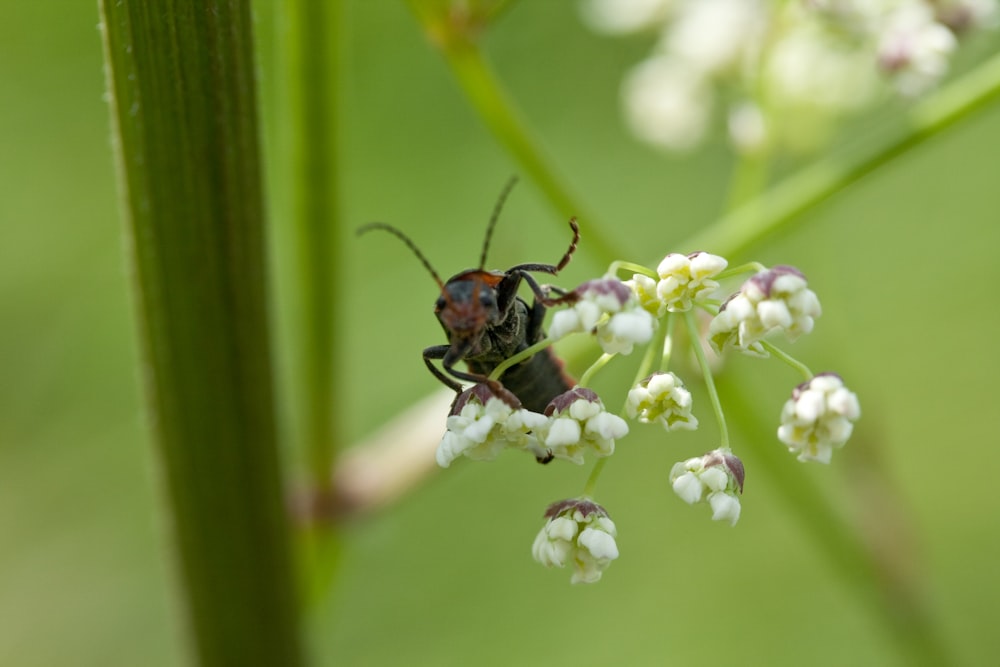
(788,359)
(632,267)
(519,357)
(589,374)
(706,371)
(748,267)
(653,349)
(455,33)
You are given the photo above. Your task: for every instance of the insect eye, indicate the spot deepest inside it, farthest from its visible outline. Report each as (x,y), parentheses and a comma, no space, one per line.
(440,303)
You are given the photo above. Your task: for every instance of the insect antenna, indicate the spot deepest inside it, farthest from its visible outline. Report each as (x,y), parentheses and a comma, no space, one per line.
(493,220)
(363,229)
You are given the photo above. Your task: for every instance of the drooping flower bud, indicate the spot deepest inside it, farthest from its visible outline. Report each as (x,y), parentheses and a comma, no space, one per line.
(577,532)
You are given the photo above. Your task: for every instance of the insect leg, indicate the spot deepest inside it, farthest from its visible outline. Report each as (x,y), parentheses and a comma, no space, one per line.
(535,320)
(542,295)
(555,268)
(439,352)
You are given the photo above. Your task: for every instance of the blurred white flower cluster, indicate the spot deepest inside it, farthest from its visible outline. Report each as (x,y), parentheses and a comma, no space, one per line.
(786,70)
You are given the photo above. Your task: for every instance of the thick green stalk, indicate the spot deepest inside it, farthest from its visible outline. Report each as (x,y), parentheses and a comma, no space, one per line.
(180,78)
(799,194)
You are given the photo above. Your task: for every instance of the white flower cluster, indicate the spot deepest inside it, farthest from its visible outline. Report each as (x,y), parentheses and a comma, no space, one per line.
(579,532)
(608,309)
(684,281)
(481,425)
(486,419)
(777,299)
(717,477)
(577,422)
(661,398)
(819,417)
(813,62)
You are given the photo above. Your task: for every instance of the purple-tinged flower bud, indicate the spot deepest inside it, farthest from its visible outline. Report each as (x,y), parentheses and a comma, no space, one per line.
(819,417)
(577,531)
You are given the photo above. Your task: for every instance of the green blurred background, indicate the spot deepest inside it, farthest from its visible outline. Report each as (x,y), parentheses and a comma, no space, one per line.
(904,264)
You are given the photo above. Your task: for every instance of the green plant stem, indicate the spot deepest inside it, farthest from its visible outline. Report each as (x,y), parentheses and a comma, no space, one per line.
(749,179)
(181,84)
(310,44)
(667,345)
(311,40)
(589,374)
(778,353)
(748,267)
(653,354)
(619,265)
(647,362)
(595,474)
(456,34)
(706,372)
(519,357)
(788,201)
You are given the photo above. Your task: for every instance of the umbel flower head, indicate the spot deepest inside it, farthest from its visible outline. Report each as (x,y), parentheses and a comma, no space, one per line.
(717,477)
(607,308)
(578,422)
(685,279)
(786,72)
(661,398)
(819,417)
(577,531)
(777,299)
(481,425)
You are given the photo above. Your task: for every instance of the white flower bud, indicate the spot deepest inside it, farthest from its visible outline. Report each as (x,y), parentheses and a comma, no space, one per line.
(686,279)
(577,422)
(608,309)
(777,299)
(715,478)
(644,289)
(577,531)
(819,417)
(686,484)
(481,425)
(667,102)
(661,398)
(725,507)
